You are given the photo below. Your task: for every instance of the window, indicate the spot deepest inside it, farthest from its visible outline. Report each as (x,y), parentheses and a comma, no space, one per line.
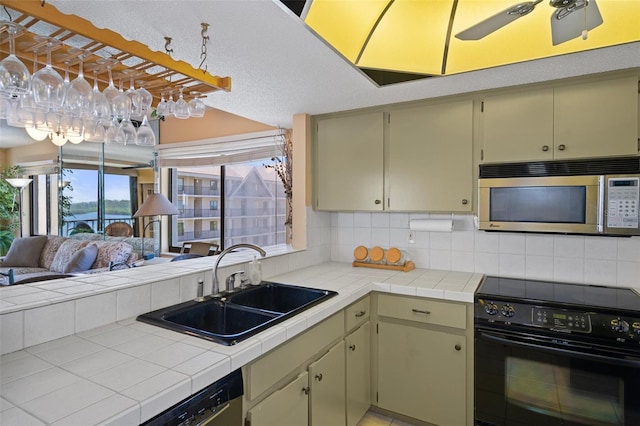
(251,198)
(180,185)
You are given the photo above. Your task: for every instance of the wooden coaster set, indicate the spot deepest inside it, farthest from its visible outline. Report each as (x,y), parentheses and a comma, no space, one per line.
(379,258)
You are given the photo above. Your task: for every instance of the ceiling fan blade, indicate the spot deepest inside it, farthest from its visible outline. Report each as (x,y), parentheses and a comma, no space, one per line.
(497,21)
(570,22)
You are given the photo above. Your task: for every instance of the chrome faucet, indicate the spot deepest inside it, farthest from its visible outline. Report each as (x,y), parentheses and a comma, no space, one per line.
(215,291)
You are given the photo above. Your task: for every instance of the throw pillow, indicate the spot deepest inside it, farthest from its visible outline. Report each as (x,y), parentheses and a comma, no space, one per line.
(65,253)
(82,259)
(50,249)
(111,251)
(25,252)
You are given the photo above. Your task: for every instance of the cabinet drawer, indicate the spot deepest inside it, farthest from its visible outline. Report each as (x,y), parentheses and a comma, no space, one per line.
(427,311)
(266,371)
(357,314)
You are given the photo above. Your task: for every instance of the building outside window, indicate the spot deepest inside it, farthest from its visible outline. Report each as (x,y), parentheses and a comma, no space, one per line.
(254,205)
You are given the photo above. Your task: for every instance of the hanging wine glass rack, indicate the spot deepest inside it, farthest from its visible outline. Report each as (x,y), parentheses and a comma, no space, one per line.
(156,71)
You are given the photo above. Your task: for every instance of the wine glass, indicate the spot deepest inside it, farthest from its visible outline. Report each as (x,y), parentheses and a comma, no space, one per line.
(171,105)
(134,97)
(101,107)
(121,105)
(197,108)
(146,98)
(161,108)
(46,84)
(111,91)
(128,131)
(181,110)
(113,134)
(80,94)
(15,78)
(145,135)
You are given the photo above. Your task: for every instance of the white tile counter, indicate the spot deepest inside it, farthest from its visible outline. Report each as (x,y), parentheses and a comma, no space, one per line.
(125,372)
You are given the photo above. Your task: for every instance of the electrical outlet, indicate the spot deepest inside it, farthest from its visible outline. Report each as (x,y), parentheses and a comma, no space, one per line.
(412,237)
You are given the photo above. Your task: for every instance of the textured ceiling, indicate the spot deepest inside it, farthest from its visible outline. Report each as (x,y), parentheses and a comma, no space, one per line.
(280,68)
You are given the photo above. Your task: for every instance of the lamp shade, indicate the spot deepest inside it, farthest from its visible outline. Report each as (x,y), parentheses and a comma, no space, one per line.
(156,205)
(19,182)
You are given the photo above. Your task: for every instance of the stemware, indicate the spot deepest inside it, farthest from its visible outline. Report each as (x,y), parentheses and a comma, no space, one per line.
(79,97)
(101,107)
(181,109)
(111,91)
(113,134)
(46,84)
(197,108)
(146,98)
(15,78)
(121,105)
(128,131)
(161,108)
(145,135)
(134,97)
(171,105)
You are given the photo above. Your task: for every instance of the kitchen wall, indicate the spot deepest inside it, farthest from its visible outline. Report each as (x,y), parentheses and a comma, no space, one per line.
(583,259)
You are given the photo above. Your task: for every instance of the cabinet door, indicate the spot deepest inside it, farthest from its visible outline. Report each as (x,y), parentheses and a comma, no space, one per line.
(327,398)
(518,127)
(426,378)
(358,373)
(596,119)
(288,406)
(349,163)
(430,158)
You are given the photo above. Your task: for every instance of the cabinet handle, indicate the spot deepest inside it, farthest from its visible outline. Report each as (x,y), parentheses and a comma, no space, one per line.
(352,347)
(465,201)
(458,347)
(545,148)
(306,390)
(360,314)
(378,201)
(561,147)
(420,311)
(319,377)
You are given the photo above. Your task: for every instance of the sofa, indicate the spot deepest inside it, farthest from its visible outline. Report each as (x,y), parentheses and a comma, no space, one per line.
(42,257)
(151,245)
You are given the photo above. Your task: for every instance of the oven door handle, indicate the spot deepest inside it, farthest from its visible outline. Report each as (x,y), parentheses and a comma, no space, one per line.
(579,354)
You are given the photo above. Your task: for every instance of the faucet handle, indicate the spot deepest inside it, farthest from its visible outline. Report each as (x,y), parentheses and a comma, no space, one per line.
(231,281)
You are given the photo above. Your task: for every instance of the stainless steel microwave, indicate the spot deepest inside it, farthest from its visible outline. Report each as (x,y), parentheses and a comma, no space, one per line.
(548,197)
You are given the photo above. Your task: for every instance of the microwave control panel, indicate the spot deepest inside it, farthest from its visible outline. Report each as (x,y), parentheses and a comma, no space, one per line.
(623,202)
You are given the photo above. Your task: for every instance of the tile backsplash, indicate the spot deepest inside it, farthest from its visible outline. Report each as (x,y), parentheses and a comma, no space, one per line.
(572,258)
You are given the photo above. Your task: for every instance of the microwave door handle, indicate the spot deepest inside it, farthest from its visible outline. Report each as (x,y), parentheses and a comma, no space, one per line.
(600,219)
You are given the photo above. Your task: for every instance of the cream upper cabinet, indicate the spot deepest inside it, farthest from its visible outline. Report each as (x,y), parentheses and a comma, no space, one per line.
(430,165)
(327,388)
(581,120)
(349,163)
(518,126)
(358,373)
(596,119)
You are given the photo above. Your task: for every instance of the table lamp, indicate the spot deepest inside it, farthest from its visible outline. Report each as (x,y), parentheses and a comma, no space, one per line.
(155,205)
(20,184)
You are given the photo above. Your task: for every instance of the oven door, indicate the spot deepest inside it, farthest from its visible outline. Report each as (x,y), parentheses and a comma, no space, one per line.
(523,380)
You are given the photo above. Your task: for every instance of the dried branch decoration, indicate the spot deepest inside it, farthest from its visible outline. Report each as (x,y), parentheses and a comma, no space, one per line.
(283,166)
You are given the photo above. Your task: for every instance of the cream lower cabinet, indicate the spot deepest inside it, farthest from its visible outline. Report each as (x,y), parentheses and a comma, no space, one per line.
(358,373)
(288,406)
(424,359)
(327,390)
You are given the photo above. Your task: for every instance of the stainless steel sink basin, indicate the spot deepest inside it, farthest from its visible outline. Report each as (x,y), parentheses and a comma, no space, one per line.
(238,316)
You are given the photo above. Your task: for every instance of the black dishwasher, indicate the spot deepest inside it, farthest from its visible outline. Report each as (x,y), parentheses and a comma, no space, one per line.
(218,404)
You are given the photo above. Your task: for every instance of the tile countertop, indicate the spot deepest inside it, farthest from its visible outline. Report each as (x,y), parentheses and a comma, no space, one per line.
(127,372)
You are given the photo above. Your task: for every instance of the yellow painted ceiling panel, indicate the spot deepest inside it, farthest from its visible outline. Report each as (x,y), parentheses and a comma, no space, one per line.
(419,47)
(345,24)
(412,35)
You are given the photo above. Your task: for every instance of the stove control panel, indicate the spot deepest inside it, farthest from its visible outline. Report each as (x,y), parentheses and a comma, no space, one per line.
(561,320)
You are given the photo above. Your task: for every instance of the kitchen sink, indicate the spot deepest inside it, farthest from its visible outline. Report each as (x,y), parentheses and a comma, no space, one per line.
(235,317)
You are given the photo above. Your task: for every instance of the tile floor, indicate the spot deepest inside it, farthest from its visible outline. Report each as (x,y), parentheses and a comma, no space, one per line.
(376,419)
